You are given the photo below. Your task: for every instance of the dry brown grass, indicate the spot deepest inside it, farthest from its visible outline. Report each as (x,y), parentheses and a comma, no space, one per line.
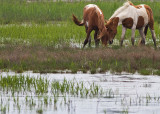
(50,59)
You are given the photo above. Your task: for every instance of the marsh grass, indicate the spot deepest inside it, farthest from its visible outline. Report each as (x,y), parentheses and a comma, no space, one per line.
(50,60)
(41,12)
(39,111)
(41,34)
(58,34)
(145,72)
(40,86)
(43,92)
(3,109)
(50,23)
(157,72)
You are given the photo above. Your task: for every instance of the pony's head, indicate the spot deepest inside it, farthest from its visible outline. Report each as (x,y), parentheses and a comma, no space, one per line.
(104,35)
(111,27)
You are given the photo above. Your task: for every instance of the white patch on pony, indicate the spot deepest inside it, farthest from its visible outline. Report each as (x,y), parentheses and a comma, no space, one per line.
(142,12)
(153,33)
(129,11)
(119,10)
(93,6)
(99,10)
(87,24)
(82,21)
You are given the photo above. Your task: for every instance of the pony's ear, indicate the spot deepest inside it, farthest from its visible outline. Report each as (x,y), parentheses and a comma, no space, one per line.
(108,27)
(106,21)
(100,35)
(116,20)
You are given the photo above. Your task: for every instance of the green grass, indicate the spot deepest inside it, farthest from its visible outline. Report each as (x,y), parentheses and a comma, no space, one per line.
(56,34)
(21,11)
(157,72)
(50,23)
(145,72)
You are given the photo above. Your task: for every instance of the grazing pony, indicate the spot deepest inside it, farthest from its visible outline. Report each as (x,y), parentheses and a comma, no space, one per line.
(133,17)
(93,19)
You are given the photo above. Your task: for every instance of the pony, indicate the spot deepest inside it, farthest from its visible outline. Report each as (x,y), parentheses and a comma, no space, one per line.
(132,17)
(93,19)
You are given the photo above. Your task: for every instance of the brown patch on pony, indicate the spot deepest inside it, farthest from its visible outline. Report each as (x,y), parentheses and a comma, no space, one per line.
(128,23)
(150,17)
(112,27)
(138,6)
(140,22)
(112,23)
(94,18)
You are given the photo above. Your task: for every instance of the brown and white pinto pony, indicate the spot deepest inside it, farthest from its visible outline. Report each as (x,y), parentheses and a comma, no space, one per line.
(93,19)
(133,17)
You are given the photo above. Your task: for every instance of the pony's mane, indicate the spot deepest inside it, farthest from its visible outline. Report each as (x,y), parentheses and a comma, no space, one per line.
(119,10)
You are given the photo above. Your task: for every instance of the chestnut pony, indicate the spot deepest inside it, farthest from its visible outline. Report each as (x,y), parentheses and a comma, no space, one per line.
(132,17)
(93,19)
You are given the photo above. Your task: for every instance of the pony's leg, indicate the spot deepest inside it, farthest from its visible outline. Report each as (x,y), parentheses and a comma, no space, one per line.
(95,38)
(151,27)
(133,35)
(123,34)
(153,36)
(141,32)
(87,38)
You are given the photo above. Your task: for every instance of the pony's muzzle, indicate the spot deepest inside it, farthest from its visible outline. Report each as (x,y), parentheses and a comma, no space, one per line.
(111,42)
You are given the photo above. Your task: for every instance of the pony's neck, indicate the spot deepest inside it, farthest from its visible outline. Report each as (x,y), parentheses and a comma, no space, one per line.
(102,28)
(121,9)
(101,25)
(113,23)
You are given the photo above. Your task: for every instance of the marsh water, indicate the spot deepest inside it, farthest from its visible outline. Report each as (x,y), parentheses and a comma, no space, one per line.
(122,93)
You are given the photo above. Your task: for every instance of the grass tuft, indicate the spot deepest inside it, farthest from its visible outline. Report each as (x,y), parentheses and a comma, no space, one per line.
(145,72)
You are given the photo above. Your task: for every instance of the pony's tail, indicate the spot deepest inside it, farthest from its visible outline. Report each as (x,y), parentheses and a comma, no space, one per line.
(76,21)
(145,30)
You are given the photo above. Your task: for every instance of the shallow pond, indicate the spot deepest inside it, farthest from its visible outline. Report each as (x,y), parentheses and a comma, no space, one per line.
(125,93)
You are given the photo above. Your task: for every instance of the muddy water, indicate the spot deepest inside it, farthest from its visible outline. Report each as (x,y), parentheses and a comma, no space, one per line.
(125,93)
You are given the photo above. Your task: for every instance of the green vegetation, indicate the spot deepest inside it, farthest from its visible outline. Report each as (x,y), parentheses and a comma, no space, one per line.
(41,34)
(39,111)
(47,91)
(40,86)
(59,34)
(44,22)
(156,72)
(145,72)
(17,11)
